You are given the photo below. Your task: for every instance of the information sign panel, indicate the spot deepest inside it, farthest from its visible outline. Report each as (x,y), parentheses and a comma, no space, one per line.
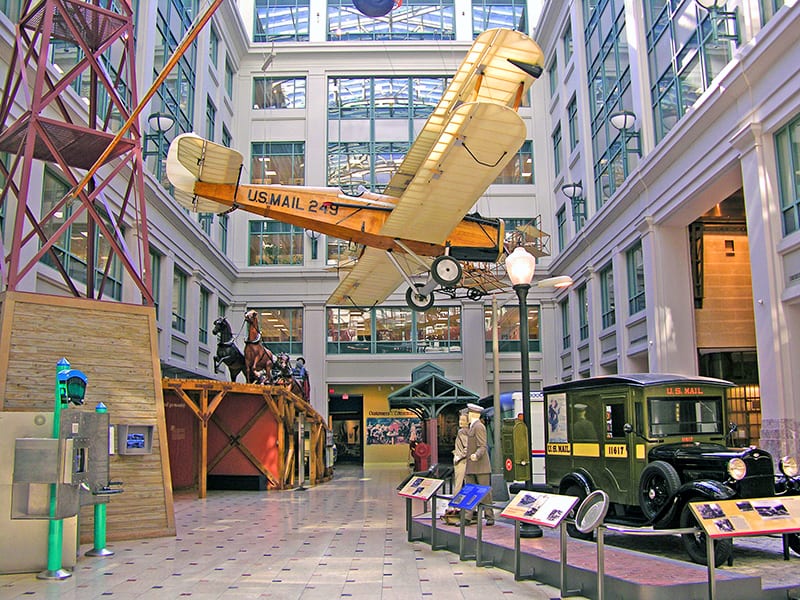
(421,488)
(751,516)
(539,508)
(470,496)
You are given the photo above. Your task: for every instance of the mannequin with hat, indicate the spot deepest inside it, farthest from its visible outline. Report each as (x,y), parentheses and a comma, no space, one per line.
(479,469)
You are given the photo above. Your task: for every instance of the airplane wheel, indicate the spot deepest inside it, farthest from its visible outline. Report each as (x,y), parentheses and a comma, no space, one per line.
(474,294)
(416,301)
(446,271)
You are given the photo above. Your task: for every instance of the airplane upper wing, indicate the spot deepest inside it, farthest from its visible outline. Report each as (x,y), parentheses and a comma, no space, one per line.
(476,144)
(485,75)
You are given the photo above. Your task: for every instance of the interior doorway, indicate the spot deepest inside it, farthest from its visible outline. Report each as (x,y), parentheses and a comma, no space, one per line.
(346,414)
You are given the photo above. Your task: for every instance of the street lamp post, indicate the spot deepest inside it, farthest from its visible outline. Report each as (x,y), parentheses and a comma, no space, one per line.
(521,266)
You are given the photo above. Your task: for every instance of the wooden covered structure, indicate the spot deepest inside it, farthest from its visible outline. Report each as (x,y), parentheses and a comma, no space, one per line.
(226,412)
(116,346)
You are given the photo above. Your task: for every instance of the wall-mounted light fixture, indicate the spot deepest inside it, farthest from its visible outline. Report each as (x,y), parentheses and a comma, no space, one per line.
(161,122)
(624,121)
(574,191)
(720,20)
(314,237)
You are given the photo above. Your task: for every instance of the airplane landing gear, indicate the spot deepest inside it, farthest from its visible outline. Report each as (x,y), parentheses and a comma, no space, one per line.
(446,271)
(417,301)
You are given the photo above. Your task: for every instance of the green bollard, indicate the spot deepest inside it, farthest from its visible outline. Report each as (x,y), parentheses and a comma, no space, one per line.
(55,530)
(100,516)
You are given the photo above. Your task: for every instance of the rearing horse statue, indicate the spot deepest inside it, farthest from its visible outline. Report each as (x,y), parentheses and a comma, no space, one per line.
(227,352)
(258,360)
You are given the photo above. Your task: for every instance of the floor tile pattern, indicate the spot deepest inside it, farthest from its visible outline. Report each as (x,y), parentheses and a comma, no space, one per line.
(342,539)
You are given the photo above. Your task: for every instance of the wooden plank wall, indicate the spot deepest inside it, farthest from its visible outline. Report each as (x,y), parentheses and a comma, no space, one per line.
(116,346)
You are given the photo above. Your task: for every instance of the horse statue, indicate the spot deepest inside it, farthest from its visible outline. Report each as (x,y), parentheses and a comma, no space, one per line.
(227,352)
(258,360)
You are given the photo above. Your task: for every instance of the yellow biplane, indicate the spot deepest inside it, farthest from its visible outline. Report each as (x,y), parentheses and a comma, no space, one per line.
(420,223)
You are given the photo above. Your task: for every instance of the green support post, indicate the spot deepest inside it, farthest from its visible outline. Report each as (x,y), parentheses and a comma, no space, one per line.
(55,531)
(100,516)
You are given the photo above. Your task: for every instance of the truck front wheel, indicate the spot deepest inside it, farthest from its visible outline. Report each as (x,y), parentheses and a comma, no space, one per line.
(695,543)
(579,492)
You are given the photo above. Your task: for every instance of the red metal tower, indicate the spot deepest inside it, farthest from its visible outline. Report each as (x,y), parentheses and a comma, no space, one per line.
(65,51)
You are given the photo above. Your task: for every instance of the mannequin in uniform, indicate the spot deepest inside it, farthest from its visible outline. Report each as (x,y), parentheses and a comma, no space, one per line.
(460,453)
(479,470)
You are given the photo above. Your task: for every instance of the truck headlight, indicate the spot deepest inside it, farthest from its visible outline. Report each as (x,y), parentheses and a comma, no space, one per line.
(788,466)
(737,469)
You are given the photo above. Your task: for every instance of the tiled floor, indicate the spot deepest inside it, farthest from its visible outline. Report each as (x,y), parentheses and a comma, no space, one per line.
(343,539)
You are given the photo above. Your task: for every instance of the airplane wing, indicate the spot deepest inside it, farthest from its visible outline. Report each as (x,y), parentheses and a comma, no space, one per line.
(476,144)
(371,280)
(485,75)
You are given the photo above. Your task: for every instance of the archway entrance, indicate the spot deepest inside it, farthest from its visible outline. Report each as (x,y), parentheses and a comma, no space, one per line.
(346,414)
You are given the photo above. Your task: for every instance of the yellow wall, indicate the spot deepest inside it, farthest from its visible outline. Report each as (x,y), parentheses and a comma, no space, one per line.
(376,405)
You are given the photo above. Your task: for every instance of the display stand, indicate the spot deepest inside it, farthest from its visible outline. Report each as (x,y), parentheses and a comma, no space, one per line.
(745,517)
(468,499)
(420,488)
(548,510)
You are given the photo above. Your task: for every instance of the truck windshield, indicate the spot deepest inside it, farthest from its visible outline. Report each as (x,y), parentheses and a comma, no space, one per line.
(682,416)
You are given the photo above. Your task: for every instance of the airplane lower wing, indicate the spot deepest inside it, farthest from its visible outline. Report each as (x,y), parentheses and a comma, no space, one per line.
(373,278)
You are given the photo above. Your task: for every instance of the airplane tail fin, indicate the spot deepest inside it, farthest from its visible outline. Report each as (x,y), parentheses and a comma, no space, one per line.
(191,159)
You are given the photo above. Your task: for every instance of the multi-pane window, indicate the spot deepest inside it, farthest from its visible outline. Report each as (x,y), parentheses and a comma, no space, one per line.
(352,165)
(228,78)
(282,329)
(552,73)
(561,227)
(12,9)
(179,289)
(340,252)
(222,308)
(418,20)
(206,221)
(275,243)
(787,148)
(609,92)
(72,247)
(202,315)
(583,313)
(508,329)
(768,9)
(572,120)
(226,137)
(567,42)
(176,94)
(155,277)
(520,168)
(557,150)
(683,57)
(279,92)
(607,304)
(223,233)
(278,162)
(213,46)
(391,330)
(492,14)
(635,265)
(211,119)
(281,21)
(566,338)
(384,97)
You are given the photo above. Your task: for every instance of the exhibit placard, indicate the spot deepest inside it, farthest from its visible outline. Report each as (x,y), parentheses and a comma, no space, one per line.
(539,508)
(470,496)
(751,516)
(421,488)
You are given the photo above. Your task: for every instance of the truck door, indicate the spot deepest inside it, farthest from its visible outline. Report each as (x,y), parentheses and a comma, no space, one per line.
(617,448)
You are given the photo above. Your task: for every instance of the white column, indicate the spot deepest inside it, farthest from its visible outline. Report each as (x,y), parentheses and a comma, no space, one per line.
(777,323)
(314,354)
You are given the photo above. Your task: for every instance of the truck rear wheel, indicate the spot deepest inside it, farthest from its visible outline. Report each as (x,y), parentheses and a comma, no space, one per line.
(695,543)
